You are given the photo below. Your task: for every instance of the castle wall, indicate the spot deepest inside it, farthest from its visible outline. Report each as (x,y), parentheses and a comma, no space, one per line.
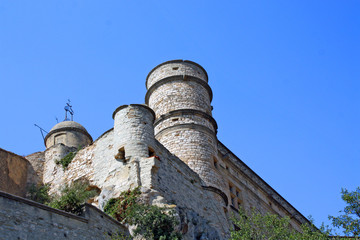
(37,161)
(16,173)
(24,219)
(201,216)
(165,180)
(247,190)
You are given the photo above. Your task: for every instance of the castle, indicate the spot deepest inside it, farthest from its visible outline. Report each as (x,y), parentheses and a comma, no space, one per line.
(167,146)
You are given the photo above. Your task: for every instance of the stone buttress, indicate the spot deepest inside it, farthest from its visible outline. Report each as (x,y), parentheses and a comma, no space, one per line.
(180,96)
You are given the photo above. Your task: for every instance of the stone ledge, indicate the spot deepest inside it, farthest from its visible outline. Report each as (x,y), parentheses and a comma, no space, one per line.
(186,126)
(181,78)
(186,111)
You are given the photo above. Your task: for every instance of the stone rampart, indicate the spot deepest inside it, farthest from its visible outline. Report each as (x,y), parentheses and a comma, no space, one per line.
(24,219)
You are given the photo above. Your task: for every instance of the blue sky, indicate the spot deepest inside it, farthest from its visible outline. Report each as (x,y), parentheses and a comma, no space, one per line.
(285,77)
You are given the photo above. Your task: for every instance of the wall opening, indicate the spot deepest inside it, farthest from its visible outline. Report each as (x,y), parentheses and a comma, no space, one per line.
(151,152)
(121,154)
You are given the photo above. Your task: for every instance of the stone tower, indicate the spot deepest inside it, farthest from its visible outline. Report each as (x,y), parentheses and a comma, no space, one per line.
(69,133)
(180,96)
(134,132)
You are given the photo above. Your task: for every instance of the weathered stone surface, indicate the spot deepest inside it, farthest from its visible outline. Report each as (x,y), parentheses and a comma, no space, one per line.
(24,219)
(37,161)
(16,173)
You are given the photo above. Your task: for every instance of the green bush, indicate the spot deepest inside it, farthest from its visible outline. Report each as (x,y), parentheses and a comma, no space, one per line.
(121,207)
(73,197)
(152,222)
(65,161)
(256,226)
(39,193)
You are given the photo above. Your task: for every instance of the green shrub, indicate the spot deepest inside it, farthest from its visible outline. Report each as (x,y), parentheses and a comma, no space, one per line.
(65,161)
(121,207)
(73,197)
(39,193)
(152,222)
(118,236)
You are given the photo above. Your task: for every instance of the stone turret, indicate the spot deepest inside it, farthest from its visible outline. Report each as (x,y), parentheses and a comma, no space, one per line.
(133,131)
(180,96)
(69,133)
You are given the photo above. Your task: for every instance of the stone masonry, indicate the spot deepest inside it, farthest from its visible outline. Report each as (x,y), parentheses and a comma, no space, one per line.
(168,147)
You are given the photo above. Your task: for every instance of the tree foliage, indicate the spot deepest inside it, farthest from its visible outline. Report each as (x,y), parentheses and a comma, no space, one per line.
(350,219)
(152,222)
(73,197)
(39,193)
(256,226)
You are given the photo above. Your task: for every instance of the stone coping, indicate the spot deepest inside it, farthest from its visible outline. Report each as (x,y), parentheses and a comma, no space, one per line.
(186,111)
(178,78)
(74,129)
(14,154)
(133,105)
(176,61)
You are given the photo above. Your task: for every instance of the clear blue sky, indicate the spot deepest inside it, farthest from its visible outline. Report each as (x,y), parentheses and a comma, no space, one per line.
(285,77)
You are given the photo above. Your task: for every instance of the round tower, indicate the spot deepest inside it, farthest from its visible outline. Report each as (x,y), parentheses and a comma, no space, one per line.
(69,133)
(133,131)
(180,96)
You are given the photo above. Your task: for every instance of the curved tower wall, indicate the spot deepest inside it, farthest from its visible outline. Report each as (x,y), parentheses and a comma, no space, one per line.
(133,129)
(179,94)
(68,137)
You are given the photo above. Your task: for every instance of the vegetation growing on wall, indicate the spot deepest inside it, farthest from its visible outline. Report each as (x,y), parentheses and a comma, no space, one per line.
(65,161)
(73,197)
(121,207)
(39,193)
(152,222)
